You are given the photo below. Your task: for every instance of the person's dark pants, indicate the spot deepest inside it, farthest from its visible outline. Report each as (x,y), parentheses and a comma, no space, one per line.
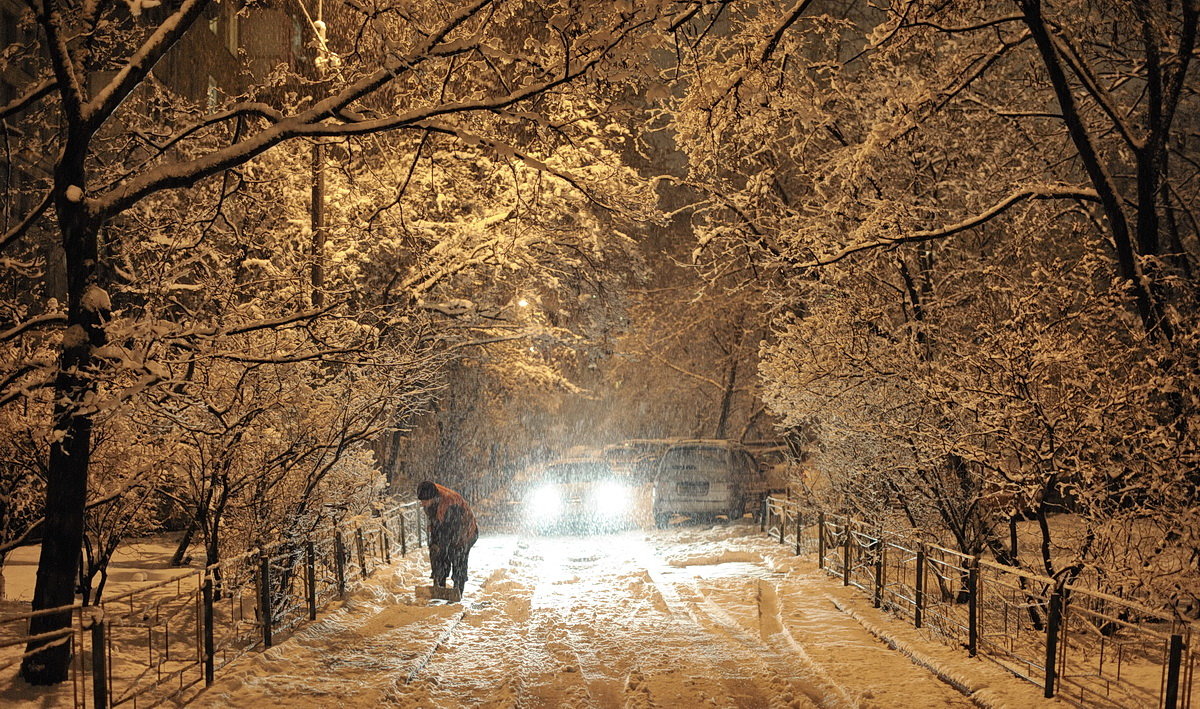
(449,561)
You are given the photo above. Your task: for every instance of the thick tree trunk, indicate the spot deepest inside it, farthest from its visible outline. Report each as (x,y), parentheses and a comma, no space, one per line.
(70,453)
(62,541)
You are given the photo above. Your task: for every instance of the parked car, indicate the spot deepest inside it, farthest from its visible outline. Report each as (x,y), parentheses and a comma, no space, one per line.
(705,479)
(579,495)
(636,458)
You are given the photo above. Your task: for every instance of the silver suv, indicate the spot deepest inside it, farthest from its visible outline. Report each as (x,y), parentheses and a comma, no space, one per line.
(703,479)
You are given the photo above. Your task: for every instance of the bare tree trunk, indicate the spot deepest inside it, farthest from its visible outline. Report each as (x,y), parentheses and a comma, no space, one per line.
(71,450)
(319,232)
(197,517)
(727,396)
(184,543)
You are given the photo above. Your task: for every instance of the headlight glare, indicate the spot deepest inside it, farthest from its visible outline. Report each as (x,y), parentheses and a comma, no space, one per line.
(609,498)
(545,503)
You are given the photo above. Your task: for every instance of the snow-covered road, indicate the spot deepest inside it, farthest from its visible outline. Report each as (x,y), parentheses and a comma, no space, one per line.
(686,617)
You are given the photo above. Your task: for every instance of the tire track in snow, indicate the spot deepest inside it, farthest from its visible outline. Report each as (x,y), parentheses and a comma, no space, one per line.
(561,599)
(785,689)
(453,623)
(559,678)
(806,625)
(513,653)
(357,653)
(813,621)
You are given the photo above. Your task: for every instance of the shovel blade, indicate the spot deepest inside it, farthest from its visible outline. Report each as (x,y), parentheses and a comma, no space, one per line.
(440,593)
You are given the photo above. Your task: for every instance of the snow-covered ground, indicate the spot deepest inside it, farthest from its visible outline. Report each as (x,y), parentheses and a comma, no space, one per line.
(136,563)
(715,616)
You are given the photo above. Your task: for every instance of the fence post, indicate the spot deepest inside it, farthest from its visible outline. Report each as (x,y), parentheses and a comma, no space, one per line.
(384,542)
(264,566)
(919,591)
(846,553)
(1054,617)
(310,562)
(206,592)
(821,540)
(880,550)
(799,529)
(100,660)
(362,554)
(1174,661)
(782,521)
(403,536)
(339,562)
(973,606)
(766,513)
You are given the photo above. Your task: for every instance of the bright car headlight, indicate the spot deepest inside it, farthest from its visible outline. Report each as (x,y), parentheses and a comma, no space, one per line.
(610,498)
(545,503)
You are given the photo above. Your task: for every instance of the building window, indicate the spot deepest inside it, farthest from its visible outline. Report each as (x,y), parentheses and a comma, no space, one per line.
(213,93)
(232,37)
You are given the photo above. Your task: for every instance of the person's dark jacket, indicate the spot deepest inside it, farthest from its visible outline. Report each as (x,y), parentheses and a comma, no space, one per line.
(451,522)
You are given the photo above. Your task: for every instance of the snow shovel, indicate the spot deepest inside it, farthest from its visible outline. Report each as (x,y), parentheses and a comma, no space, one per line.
(440,593)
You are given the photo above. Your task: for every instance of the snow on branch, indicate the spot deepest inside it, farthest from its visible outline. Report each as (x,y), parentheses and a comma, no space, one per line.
(294,358)
(310,122)
(236,111)
(452,308)
(251,327)
(421,118)
(480,342)
(19,229)
(962,29)
(506,150)
(27,98)
(1066,48)
(134,71)
(1043,192)
(44,381)
(53,318)
(794,14)
(426,278)
(58,51)
(979,66)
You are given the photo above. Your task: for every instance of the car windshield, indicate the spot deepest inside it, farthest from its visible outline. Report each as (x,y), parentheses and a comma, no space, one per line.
(583,471)
(704,459)
(633,450)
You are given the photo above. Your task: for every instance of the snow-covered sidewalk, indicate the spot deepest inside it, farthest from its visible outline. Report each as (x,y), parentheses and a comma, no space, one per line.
(693,616)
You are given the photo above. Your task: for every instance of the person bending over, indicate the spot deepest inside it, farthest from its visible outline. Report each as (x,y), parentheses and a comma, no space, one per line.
(452,533)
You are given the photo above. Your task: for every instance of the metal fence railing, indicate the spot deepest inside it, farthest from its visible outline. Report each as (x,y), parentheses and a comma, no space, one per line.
(151,645)
(1078,643)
